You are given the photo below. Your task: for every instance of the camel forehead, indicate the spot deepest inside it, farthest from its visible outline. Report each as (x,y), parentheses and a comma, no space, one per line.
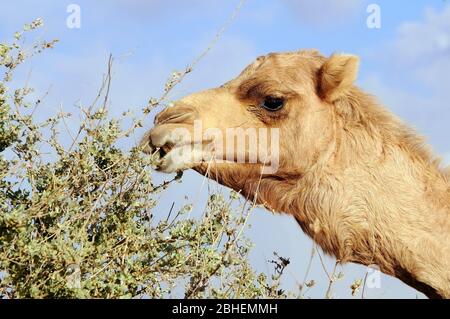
(282,64)
(279,60)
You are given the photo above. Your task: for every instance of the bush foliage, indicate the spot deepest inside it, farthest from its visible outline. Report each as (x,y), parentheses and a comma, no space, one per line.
(78,221)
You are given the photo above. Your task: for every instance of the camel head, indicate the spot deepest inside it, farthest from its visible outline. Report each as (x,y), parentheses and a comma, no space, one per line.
(275,120)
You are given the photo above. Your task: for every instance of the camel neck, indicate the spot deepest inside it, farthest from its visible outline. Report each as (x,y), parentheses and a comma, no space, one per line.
(372,218)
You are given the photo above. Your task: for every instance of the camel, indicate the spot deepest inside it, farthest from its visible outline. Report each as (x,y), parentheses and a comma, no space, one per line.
(361,183)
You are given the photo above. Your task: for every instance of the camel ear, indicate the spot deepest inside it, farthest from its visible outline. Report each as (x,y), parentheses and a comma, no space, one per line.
(337,75)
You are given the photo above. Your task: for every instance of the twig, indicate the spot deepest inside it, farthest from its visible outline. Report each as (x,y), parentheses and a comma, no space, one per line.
(105,84)
(364,283)
(308,268)
(332,280)
(108,81)
(170,212)
(323,265)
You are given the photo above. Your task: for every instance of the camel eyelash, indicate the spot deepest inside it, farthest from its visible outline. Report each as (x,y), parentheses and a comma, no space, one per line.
(267,117)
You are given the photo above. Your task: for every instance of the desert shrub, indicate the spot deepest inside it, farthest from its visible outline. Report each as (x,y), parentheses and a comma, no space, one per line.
(78,220)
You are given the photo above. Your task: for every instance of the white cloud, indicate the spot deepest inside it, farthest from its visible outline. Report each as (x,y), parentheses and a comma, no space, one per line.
(415,69)
(320,13)
(427,39)
(424,46)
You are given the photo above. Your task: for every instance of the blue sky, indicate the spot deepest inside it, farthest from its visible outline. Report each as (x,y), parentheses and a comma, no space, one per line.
(406,63)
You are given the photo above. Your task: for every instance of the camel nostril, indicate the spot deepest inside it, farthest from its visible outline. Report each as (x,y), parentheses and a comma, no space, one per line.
(174,118)
(176,114)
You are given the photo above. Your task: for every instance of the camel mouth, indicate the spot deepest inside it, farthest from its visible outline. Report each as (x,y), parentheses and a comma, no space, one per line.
(164,150)
(157,157)
(171,157)
(159,153)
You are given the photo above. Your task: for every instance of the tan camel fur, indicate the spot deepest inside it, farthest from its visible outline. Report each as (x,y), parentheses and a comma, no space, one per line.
(359,182)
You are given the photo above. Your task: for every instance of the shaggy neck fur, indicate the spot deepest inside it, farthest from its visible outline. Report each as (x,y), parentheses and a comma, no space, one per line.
(375,196)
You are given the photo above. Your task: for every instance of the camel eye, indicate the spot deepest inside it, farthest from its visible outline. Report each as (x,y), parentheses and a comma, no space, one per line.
(272,103)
